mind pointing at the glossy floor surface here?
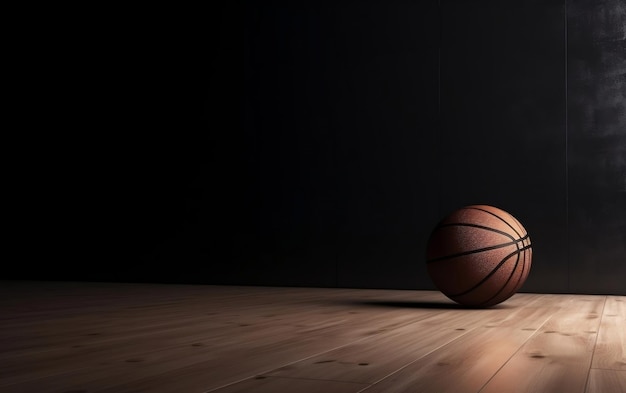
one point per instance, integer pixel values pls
(72, 337)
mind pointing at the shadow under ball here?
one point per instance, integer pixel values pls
(479, 255)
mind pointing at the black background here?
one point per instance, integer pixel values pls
(316, 144)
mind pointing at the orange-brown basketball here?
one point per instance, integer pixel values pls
(479, 255)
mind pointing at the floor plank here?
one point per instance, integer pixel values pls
(610, 352)
(558, 357)
(606, 381)
(467, 363)
(278, 385)
(239, 361)
(248, 337)
(371, 360)
(60, 337)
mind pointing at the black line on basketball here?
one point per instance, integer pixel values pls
(476, 251)
(492, 272)
(499, 218)
(520, 281)
(508, 280)
(467, 224)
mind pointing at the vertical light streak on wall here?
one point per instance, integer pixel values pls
(567, 255)
(439, 116)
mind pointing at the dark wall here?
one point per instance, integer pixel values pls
(104, 140)
(359, 88)
(596, 150)
(341, 116)
(503, 137)
(311, 144)
(370, 123)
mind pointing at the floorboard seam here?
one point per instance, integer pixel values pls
(608, 369)
(317, 379)
(415, 360)
(284, 365)
(514, 353)
(595, 343)
(422, 318)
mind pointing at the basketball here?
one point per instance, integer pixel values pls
(479, 255)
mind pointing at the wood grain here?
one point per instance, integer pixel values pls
(610, 350)
(278, 385)
(104, 337)
(372, 360)
(467, 363)
(557, 358)
(606, 381)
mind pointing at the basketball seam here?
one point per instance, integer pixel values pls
(500, 218)
(516, 286)
(467, 224)
(525, 260)
(503, 286)
(493, 271)
(511, 292)
(476, 251)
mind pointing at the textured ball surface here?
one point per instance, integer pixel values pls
(479, 255)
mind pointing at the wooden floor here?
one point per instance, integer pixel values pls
(104, 337)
